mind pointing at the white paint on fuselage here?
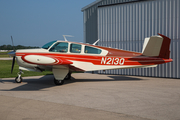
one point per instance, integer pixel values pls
(38, 59)
(87, 66)
(39, 50)
(22, 63)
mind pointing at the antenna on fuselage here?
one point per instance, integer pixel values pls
(96, 42)
(67, 36)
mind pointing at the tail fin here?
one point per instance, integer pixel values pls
(157, 46)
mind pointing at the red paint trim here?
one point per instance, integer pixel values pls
(58, 61)
(165, 52)
(114, 57)
(64, 59)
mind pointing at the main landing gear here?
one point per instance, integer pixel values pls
(58, 82)
(19, 79)
(61, 82)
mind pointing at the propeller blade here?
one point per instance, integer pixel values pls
(13, 64)
(13, 43)
(12, 53)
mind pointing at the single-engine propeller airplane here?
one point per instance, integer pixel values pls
(64, 57)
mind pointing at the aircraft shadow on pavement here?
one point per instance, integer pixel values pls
(32, 84)
(112, 78)
(36, 84)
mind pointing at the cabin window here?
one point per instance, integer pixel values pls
(75, 48)
(60, 47)
(92, 50)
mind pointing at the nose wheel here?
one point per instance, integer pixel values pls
(19, 79)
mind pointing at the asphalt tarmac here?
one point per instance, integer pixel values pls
(90, 97)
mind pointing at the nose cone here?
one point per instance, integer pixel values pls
(12, 53)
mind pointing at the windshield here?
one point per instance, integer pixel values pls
(60, 47)
(46, 46)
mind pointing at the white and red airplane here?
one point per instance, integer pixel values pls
(64, 57)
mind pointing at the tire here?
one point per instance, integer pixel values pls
(68, 76)
(18, 79)
(58, 82)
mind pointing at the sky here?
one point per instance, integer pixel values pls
(37, 22)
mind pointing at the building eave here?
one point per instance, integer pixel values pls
(86, 7)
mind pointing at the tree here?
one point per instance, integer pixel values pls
(10, 47)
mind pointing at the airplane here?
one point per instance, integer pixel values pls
(65, 57)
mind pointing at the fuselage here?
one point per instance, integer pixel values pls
(82, 57)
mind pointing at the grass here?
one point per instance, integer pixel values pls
(5, 70)
(4, 54)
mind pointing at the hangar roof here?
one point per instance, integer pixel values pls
(112, 3)
(95, 2)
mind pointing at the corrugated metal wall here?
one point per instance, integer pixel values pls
(90, 25)
(90, 20)
(125, 26)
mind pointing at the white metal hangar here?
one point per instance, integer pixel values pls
(124, 24)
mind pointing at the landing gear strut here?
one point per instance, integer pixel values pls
(68, 76)
(19, 79)
(61, 82)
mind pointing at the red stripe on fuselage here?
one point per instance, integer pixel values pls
(103, 60)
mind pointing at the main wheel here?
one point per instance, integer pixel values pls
(68, 76)
(58, 82)
(18, 79)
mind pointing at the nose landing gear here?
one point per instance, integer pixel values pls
(19, 79)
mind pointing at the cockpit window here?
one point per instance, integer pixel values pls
(92, 50)
(46, 46)
(75, 48)
(60, 47)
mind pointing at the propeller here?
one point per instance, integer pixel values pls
(13, 54)
(13, 64)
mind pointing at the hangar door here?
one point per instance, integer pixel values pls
(124, 26)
